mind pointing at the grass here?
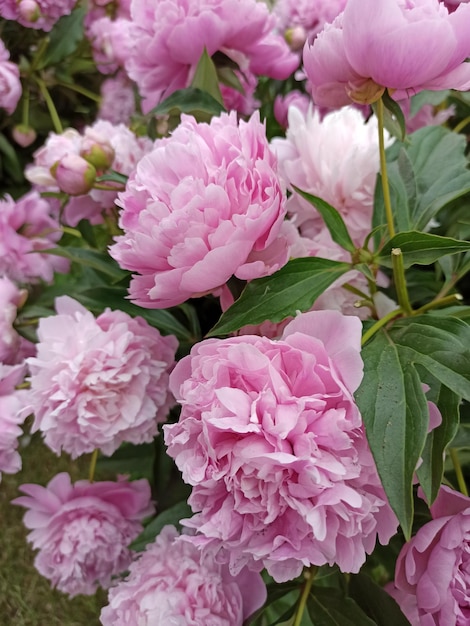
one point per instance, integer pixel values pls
(26, 598)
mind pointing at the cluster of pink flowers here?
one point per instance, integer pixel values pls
(175, 583)
(27, 227)
(169, 38)
(13, 348)
(273, 444)
(432, 578)
(97, 382)
(117, 100)
(205, 204)
(404, 46)
(82, 530)
(10, 85)
(13, 412)
(42, 14)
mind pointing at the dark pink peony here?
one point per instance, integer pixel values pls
(97, 382)
(82, 531)
(205, 204)
(432, 577)
(175, 583)
(273, 444)
(403, 45)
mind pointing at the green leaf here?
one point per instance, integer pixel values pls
(10, 160)
(332, 218)
(113, 176)
(192, 101)
(394, 108)
(329, 607)
(92, 258)
(396, 417)
(293, 288)
(64, 37)
(420, 248)
(171, 516)
(227, 76)
(205, 77)
(276, 591)
(376, 602)
(135, 460)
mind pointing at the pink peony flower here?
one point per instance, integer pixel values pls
(39, 14)
(111, 43)
(432, 577)
(82, 531)
(282, 105)
(97, 382)
(245, 103)
(10, 85)
(206, 203)
(175, 583)
(273, 444)
(27, 227)
(13, 411)
(13, 348)
(403, 45)
(117, 100)
(170, 36)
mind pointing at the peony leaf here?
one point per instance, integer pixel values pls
(420, 248)
(205, 77)
(392, 105)
(92, 258)
(64, 38)
(293, 288)
(332, 218)
(329, 607)
(192, 101)
(375, 601)
(171, 516)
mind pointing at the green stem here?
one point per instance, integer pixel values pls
(94, 458)
(383, 169)
(309, 576)
(455, 298)
(79, 89)
(107, 187)
(39, 53)
(461, 125)
(25, 113)
(51, 107)
(379, 324)
(400, 282)
(458, 471)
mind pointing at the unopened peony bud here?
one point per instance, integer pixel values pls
(29, 11)
(296, 37)
(74, 175)
(99, 154)
(24, 135)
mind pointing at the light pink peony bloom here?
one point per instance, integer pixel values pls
(305, 16)
(82, 531)
(13, 411)
(39, 14)
(175, 583)
(10, 85)
(27, 227)
(273, 444)
(403, 45)
(97, 382)
(13, 347)
(170, 36)
(205, 204)
(111, 43)
(117, 100)
(432, 577)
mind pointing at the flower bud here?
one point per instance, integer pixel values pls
(73, 174)
(23, 135)
(29, 11)
(99, 153)
(295, 37)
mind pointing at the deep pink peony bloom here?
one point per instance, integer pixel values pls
(10, 85)
(117, 100)
(26, 227)
(97, 382)
(403, 45)
(273, 443)
(42, 14)
(13, 411)
(175, 583)
(13, 347)
(82, 531)
(206, 203)
(432, 577)
(170, 36)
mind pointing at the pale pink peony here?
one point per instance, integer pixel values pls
(117, 100)
(26, 228)
(39, 14)
(432, 577)
(273, 444)
(82, 531)
(175, 583)
(13, 347)
(206, 203)
(403, 45)
(13, 411)
(97, 382)
(170, 36)
(111, 43)
(10, 85)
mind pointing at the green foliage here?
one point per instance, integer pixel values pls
(64, 38)
(171, 516)
(376, 603)
(420, 248)
(330, 607)
(193, 101)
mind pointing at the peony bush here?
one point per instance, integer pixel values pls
(234, 260)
